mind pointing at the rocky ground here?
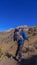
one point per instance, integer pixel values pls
(10, 61)
(8, 48)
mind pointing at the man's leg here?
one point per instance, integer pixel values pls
(17, 50)
(20, 52)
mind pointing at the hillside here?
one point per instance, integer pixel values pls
(7, 45)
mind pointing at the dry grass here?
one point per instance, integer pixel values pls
(8, 45)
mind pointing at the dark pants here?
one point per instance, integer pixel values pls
(19, 50)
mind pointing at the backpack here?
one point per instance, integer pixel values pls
(17, 35)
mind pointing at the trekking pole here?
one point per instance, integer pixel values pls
(28, 48)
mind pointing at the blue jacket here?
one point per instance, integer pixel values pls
(24, 36)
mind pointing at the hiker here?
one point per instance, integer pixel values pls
(20, 36)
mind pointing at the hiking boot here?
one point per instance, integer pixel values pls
(19, 60)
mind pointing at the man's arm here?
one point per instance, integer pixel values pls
(25, 36)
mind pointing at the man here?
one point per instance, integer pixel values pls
(21, 37)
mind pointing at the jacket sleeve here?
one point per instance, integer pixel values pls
(24, 36)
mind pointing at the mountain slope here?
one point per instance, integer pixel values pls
(7, 45)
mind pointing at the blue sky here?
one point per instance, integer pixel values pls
(17, 12)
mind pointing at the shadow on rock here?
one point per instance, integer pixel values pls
(30, 61)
